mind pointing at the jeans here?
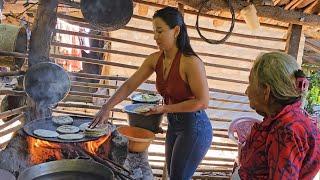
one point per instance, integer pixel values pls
(188, 139)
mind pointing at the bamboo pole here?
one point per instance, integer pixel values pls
(11, 73)
(95, 61)
(12, 92)
(221, 32)
(272, 12)
(142, 44)
(12, 112)
(193, 12)
(140, 55)
(191, 38)
(16, 128)
(200, 169)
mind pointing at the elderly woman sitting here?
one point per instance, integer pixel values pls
(286, 145)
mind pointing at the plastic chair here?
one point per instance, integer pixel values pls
(242, 127)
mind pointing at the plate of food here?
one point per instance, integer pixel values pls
(146, 98)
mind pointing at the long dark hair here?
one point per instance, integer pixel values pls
(172, 17)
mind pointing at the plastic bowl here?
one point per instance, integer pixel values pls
(151, 122)
(139, 138)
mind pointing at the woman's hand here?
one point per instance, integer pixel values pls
(155, 110)
(101, 117)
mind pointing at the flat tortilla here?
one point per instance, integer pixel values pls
(45, 133)
(62, 120)
(71, 136)
(143, 108)
(83, 126)
(68, 129)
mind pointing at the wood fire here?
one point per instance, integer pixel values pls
(43, 151)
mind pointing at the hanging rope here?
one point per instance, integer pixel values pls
(210, 41)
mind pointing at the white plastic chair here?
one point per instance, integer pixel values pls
(242, 127)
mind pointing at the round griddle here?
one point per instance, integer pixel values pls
(49, 125)
(46, 83)
(108, 15)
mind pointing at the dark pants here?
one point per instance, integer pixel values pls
(188, 139)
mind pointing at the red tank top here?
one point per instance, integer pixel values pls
(174, 89)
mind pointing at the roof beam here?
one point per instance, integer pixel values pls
(272, 12)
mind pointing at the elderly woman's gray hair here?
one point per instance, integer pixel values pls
(278, 71)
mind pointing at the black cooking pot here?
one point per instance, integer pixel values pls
(108, 15)
(75, 169)
(151, 122)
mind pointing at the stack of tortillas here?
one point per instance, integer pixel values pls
(69, 132)
(96, 132)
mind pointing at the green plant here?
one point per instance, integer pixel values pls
(313, 97)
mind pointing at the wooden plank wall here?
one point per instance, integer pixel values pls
(227, 67)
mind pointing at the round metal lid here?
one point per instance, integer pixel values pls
(47, 83)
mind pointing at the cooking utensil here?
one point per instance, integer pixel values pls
(46, 83)
(151, 122)
(139, 139)
(75, 169)
(108, 15)
(48, 124)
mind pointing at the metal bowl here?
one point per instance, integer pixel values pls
(151, 122)
(75, 169)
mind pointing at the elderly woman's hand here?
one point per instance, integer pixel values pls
(101, 117)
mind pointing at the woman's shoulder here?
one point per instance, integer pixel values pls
(191, 61)
(155, 55)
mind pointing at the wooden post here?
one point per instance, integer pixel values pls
(293, 39)
(42, 30)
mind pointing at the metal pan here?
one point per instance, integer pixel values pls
(46, 83)
(75, 169)
(49, 125)
(108, 15)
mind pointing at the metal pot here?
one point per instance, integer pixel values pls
(75, 169)
(108, 15)
(151, 122)
(47, 83)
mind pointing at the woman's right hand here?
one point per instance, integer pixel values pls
(101, 117)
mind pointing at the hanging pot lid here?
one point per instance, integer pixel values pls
(46, 83)
(108, 15)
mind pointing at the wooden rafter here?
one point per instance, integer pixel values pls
(272, 12)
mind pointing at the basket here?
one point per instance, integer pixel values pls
(139, 139)
(12, 39)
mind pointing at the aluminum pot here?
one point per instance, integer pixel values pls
(151, 122)
(75, 169)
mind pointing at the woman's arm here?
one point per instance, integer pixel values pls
(195, 73)
(145, 70)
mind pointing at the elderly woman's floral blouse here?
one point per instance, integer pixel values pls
(284, 147)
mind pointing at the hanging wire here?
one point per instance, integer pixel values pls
(210, 41)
